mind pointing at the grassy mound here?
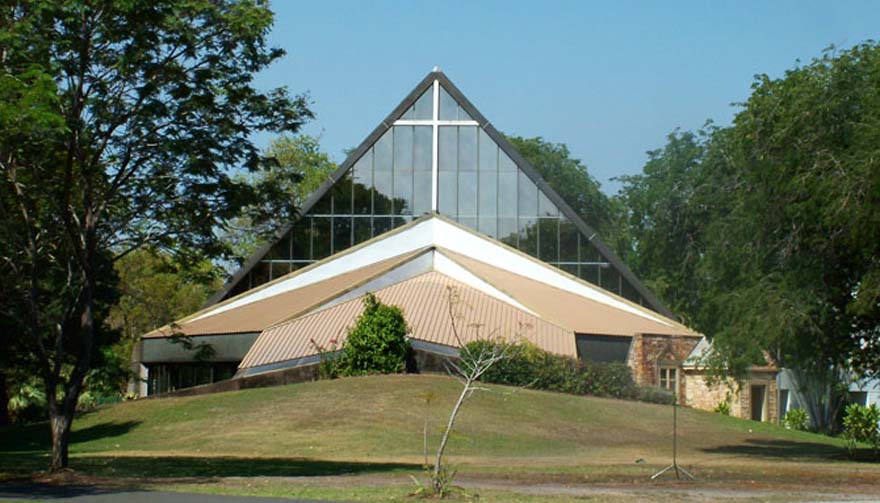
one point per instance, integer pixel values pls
(375, 423)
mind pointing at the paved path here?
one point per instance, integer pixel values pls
(83, 494)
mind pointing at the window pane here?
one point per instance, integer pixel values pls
(321, 237)
(450, 109)
(281, 250)
(489, 226)
(398, 221)
(363, 184)
(590, 273)
(342, 196)
(505, 163)
(448, 106)
(469, 222)
(423, 108)
(546, 208)
(422, 148)
(324, 206)
(467, 194)
(421, 193)
(383, 152)
(448, 195)
(341, 233)
(610, 280)
(403, 147)
(528, 197)
(629, 292)
(568, 241)
(488, 193)
(301, 233)
(488, 153)
(467, 148)
(403, 191)
(280, 269)
(362, 229)
(528, 235)
(507, 194)
(548, 229)
(508, 232)
(382, 194)
(381, 225)
(448, 149)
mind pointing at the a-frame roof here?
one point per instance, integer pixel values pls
(652, 301)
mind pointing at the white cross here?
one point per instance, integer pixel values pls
(435, 123)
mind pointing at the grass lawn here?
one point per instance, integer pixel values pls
(370, 428)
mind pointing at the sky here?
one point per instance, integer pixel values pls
(609, 79)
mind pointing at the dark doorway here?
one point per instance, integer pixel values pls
(759, 395)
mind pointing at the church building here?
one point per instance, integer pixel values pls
(433, 205)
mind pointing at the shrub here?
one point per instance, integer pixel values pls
(377, 344)
(796, 419)
(528, 365)
(723, 408)
(861, 426)
(652, 394)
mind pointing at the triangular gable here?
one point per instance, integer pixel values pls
(454, 163)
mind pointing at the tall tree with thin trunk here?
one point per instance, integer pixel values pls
(121, 124)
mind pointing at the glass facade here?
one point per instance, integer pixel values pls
(165, 377)
(477, 184)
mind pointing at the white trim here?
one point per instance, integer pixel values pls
(437, 232)
(425, 122)
(430, 261)
(445, 265)
(435, 147)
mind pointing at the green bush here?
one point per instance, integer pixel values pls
(723, 408)
(796, 419)
(377, 344)
(860, 425)
(652, 394)
(529, 366)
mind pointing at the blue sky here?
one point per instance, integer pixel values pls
(609, 79)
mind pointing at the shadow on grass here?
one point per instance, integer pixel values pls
(36, 436)
(31, 490)
(769, 448)
(190, 466)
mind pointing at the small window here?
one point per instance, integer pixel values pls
(669, 378)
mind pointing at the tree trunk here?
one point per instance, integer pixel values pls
(438, 464)
(4, 401)
(60, 422)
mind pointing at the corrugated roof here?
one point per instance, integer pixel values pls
(424, 301)
(568, 309)
(256, 316)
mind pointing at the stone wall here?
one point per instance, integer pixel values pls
(700, 395)
(648, 352)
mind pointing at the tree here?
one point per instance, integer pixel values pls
(474, 361)
(798, 245)
(296, 168)
(155, 290)
(665, 215)
(763, 232)
(121, 123)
